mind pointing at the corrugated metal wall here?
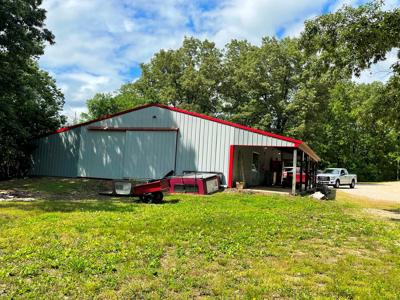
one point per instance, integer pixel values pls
(149, 154)
(101, 154)
(57, 154)
(203, 145)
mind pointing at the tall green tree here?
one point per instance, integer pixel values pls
(354, 135)
(260, 82)
(30, 102)
(353, 39)
(189, 77)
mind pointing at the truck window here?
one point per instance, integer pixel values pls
(342, 173)
(332, 171)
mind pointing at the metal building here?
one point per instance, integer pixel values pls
(151, 140)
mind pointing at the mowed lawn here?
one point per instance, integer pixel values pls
(75, 244)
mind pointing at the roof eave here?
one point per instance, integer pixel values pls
(305, 148)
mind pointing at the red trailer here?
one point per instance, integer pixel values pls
(195, 183)
(151, 191)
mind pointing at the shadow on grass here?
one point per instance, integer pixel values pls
(394, 210)
(111, 205)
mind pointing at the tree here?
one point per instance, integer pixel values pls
(30, 102)
(189, 77)
(351, 138)
(103, 104)
(353, 38)
(260, 82)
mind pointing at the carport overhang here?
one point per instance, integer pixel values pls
(299, 148)
(307, 150)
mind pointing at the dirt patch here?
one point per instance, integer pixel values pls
(36, 188)
(385, 191)
(391, 214)
(17, 195)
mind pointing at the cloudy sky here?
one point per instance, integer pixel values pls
(100, 43)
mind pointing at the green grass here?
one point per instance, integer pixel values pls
(226, 245)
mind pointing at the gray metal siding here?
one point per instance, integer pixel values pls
(101, 154)
(149, 154)
(57, 154)
(203, 145)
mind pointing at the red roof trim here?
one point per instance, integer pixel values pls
(266, 133)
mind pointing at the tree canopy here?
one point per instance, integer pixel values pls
(30, 102)
(354, 38)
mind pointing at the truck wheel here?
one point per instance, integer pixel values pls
(353, 184)
(337, 184)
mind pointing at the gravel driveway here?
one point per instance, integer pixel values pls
(385, 191)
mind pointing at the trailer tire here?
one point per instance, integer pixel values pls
(146, 198)
(157, 197)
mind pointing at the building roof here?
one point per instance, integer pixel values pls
(297, 143)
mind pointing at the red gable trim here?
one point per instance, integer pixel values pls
(266, 133)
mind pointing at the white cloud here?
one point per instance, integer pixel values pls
(98, 42)
(252, 20)
(88, 84)
(336, 5)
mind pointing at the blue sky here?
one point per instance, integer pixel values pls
(100, 43)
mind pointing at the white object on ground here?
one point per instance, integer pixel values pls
(318, 195)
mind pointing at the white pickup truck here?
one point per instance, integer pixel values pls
(337, 177)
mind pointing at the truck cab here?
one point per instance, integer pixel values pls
(337, 177)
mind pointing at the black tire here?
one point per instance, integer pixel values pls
(157, 197)
(147, 198)
(337, 184)
(353, 184)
